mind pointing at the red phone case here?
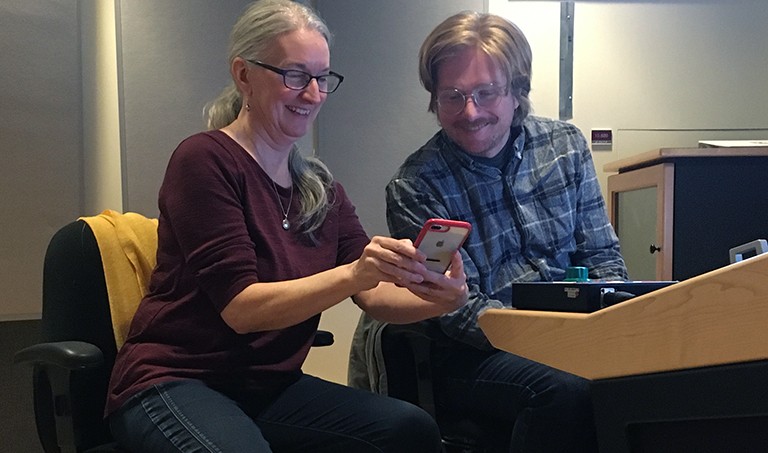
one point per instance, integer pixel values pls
(439, 238)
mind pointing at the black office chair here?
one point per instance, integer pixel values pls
(71, 366)
(407, 350)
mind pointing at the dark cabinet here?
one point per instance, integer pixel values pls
(678, 211)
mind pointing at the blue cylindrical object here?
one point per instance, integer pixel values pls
(577, 274)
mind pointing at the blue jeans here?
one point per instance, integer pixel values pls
(311, 415)
(538, 408)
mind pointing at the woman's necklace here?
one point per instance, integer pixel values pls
(286, 223)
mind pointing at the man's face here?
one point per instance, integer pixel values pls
(478, 130)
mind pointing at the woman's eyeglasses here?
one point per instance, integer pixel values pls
(298, 80)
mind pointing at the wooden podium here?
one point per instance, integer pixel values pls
(682, 368)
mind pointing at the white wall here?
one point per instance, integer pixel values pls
(659, 73)
(102, 166)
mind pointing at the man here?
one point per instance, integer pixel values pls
(528, 187)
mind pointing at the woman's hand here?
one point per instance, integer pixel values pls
(417, 293)
(390, 260)
(448, 290)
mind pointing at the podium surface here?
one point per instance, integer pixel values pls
(716, 318)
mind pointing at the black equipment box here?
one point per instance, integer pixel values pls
(583, 297)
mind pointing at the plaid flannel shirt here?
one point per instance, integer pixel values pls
(539, 215)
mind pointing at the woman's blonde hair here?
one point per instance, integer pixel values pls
(497, 37)
(252, 37)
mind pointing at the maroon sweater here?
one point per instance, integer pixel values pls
(220, 231)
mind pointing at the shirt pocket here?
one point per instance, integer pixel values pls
(549, 211)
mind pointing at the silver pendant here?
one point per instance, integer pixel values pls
(286, 224)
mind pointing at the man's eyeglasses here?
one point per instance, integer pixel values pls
(298, 80)
(452, 102)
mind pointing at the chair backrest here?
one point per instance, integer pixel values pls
(75, 301)
(408, 351)
(95, 273)
(76, 306)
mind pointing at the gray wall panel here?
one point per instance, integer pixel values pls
(173, 56)
(379, 115)
(40, 141)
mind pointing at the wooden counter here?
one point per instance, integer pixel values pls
(666, 154)
(715, 318)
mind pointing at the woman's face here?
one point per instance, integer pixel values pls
(283, 113)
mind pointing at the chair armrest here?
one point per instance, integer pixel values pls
(62, 379)
(322, 338)
(68, 355)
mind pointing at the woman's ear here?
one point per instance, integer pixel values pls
(240, 72)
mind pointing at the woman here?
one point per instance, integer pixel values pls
(255, 241)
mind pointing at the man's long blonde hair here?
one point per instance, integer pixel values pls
(500, 39)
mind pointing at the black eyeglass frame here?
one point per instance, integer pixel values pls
(310, 77)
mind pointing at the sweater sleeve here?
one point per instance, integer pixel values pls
(352, 236)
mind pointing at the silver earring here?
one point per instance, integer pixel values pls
(247, 107)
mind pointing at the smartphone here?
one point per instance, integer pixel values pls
(438, 239)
